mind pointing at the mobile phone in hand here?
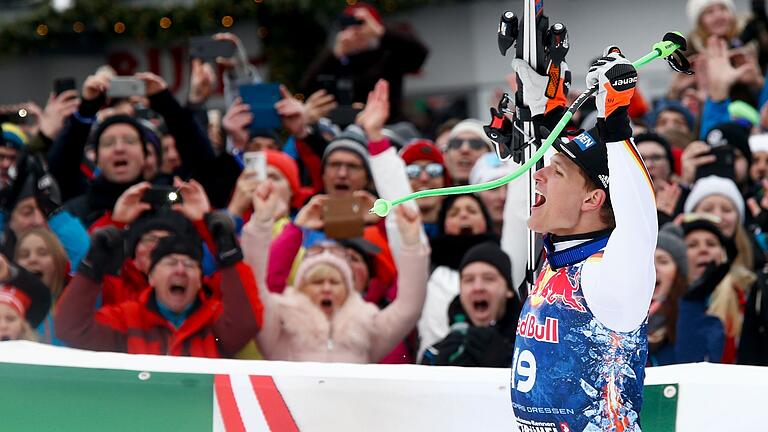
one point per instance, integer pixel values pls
(60, 85)
(343, 218)
(256, 162)
(161, 196)
(721, 167)
(208, 49)
(126, 86)
(262, 99)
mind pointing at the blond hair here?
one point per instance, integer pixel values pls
(59, 255)
(321, 270)
(725, 300)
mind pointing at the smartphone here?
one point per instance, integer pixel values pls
(207, 48)
(345, 21)
(721, 167)
(126, 86)
(161, 196)
(343, 218)
(60, 85)
(262, 99)
(256, 162)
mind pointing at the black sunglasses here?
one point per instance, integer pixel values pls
(474, 144)
(433, 170)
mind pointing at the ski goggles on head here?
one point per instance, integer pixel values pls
(433, 170)
(474, 144)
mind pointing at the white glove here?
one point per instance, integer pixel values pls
(616, 79)
(535, 86)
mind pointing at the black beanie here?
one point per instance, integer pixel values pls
(730, 134)
(165, 220)
(174, 244)
(492, 254)
(654, 137)
(109, 121)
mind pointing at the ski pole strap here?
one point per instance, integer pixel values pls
(382, 207)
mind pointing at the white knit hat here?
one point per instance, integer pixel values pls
(758, 143)
(714, 185)
(695, 7)
(473, 126)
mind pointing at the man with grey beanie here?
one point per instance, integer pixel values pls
(346, 165)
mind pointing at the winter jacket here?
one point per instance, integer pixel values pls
(295, 329)
(467, 345)
(753, 344)
(99, 198)
(129, 285)
(216, 327)
(397, 54)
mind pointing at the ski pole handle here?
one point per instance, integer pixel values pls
(382, 207)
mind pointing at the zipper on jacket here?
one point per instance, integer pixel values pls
(329, 342)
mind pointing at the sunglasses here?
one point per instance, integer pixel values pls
(433, 170)
(474, 144)
(326, 246)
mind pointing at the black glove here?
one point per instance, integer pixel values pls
(702, 287)
(47, 195)
(488, 347)
(222, 231)
(105, 255)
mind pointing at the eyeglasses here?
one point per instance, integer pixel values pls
(433, 170)
(352, 168)
(653, 158)
(149, 239)
(474, 144)
(187, 263)
(126, 139)
(326, 246)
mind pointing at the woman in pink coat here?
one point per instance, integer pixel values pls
(322, 317)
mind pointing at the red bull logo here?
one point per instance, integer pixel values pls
(562, 287)
(530, 328)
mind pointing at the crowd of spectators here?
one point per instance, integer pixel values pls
(140, 225)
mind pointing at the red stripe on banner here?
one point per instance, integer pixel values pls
(273, 405)
(227, 405)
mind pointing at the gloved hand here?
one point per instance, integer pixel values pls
(488, 347)
(47, 195)
(105, 255)
(222, 231)
(616, 79)
(535, 87)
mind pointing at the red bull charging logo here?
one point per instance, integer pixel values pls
(560, 286)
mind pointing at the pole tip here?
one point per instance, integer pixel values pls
(381, 207)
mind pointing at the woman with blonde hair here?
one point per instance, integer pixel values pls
(322, 317)
(39, 252)
(24, 302)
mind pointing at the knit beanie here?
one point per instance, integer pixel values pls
(654, 137)
(424, 149)
(671, 105)
(714, 185)
(730, 134)
(705, 225)
(473, 126)
(13, 136)
(489, 253)
(163, 220)
(400, 133)
(287, 166)
(488, 168)
(109, 121)
(671, 240)
(176, 244)
(352, 140)
(758, 143)
(696, 7)
(327, 258)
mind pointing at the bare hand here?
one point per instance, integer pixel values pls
(95, 86)
(371, 28)
(236, 121)
(720, 74)
(756, 208)
(376, 111)
(366, 201)
(154, 83)
(293, 113)
(196, 203)
(408, 224)
(5, 269)
(311, 215)
(244, 189)
(695, 155)
(56, 112)
(318, 105)
(667, 196)
(265, 203)
(229, 63)
(201, 81)
(129, 206)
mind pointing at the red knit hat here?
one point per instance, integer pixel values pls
(287, 166)
(350, 10)
(424, 149)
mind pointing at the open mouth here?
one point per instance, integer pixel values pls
(540, 200)
(480, 305)
(178, 289)
(326, 305)
(466, 230)
(120, 164)
(342, 187)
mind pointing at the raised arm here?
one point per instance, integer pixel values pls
(394, 322)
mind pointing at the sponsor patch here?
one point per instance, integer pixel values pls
(585, 141)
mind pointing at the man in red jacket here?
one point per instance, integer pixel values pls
(180, 315)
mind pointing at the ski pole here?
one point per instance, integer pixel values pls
(382, 207)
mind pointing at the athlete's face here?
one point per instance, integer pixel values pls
(666, 270)
(483, 293)
(703, 249)
(561, 197)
